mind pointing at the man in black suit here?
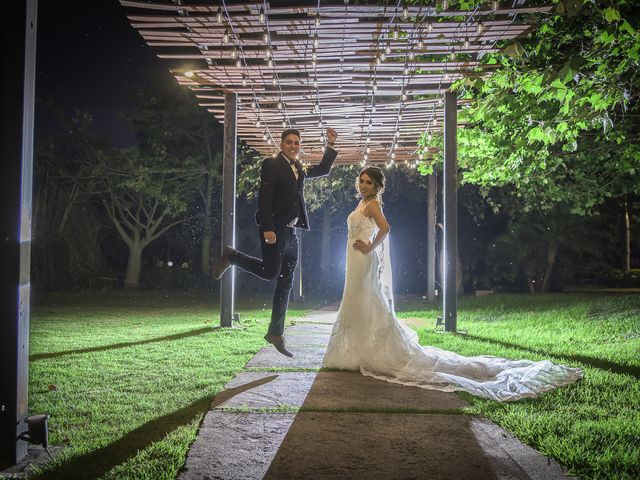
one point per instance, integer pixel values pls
(281, 209)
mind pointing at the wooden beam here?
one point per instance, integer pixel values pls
(450, 194)
(228, 236)
(17, 103)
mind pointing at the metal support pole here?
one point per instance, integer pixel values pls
(431, 237)
(227, 283)
(16, 145)
(450, 211)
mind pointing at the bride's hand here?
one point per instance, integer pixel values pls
(361, 246)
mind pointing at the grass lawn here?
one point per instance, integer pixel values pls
(127, 379)
(592, 427)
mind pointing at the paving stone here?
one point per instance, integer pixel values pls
(388, 446)
(280, 389)
(309, 328)
(318, 317)
(352, 390)
(235, 446)
(301, 338)
(303, 357)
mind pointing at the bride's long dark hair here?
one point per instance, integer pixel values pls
(375, 174)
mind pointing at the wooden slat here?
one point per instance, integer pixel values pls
(340, 78)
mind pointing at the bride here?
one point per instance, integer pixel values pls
(368, 337)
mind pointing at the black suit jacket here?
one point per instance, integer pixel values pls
(281, 196)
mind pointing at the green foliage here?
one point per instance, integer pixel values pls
(558, 119)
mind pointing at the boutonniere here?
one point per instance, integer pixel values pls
(305, 168)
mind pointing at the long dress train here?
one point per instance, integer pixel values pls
(368, 337)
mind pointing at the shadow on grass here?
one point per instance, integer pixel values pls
(168, 338)
(591, 361)
(98, 462)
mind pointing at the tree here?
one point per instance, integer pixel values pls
(169, 116)
(143, 195)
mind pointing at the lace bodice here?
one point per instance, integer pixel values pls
(361, 227)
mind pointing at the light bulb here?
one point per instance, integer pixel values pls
(420, 44)
(265, 37)
(388, 49)
(225, 36)
(264, 137)
(279, 105)
(258, 124)
(405, 71)
(495, 5)
(244, 81)
(480, 27)
(219, 15)
(405, 12)
(396, 33)
(316, 41)
(317, 20)
(284, 123)
(261, 16)
(274, 82)
(429, 26)
(238, 63)
(466, 42)
(412, 55)
(404, 97)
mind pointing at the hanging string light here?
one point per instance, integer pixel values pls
(261, 18)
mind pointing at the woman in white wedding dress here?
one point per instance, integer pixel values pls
(368, 337)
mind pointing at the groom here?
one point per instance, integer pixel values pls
(281, 209)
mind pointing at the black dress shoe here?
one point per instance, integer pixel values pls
(222, 263)
(278, 342)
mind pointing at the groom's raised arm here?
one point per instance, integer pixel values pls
(324, 167)
(268, 177)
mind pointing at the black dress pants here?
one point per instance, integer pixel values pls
(278, 263)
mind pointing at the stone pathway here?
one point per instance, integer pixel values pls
(301, 423)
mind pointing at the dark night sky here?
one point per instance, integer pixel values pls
(88, 58)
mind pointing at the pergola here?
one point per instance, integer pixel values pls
(380, 74)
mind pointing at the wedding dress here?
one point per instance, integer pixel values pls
(368, 337)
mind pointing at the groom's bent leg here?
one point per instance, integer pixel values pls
(284, 283)
(267, 267)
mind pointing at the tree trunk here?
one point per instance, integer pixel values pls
(325, 245)
(134, 264)
(552, 254)
(626, 263)
(532, 285)
(205, 257)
